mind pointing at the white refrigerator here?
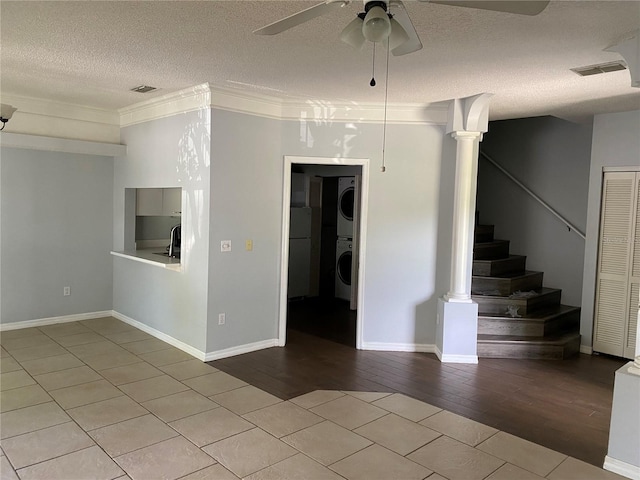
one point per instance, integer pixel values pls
(299, 252)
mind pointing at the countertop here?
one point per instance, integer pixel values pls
(149, 255)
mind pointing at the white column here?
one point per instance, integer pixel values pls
(457, 317)
(463, 215)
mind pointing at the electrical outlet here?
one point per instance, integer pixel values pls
(248, 245)
(221, 318)
(225, 246)
(66, 291)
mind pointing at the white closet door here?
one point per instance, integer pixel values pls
(612, 283)
(634, 280)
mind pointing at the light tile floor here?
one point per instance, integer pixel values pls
(100, 399)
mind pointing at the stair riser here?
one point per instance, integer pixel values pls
(490, 251)
(506, 286)
(483, 233)
(499, 267)
(522, 327)
(497, 306)
(526, 351)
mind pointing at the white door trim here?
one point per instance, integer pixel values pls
(284, 255)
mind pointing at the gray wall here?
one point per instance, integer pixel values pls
(551, 157)
(245, 177)
(616, 143)
(402, 257)
(169, 152)
(57, 212)
(245, 203)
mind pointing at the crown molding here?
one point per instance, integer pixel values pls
(41, 117)
(182, 101)
(204, 96)
(59, 110)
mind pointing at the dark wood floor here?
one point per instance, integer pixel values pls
(563, 405)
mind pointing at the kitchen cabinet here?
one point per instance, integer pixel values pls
(158, 202)
(171, 201)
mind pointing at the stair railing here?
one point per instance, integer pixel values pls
(567, 223)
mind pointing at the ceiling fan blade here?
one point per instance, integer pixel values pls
(400, 15)
(520, 7)
(301, 17)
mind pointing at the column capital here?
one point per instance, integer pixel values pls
(466, 135)
(469, 114)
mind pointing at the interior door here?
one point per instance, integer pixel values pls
(614, 327)
(634, 279)
(355, 249)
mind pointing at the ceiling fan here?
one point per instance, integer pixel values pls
(387, 20)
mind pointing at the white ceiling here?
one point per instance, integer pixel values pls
(92, 52)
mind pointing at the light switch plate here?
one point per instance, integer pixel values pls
(225, 246)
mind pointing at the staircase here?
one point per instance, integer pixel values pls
(517, 316)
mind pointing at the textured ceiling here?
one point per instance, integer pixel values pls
(92, 52)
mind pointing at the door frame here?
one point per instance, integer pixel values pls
(289, 161)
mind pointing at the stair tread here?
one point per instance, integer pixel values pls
(510, 276)
(541, 315)
(557, 339)
(495, 241)
(496, 260)
(539, 291)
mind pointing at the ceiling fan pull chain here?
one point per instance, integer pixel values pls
(384, 127)
(373, 68)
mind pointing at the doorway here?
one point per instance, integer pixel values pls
(326, 305)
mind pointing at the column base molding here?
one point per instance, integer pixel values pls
(457, 298)
(457, 332)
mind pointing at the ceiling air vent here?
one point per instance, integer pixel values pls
(143, 89)
(600, 68)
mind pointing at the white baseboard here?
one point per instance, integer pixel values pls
(200, 355)
(399, 347)
(447, 358)
(249, 347)
(586, 349)
(41, 322)
(621, 468)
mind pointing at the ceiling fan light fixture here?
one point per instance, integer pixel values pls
(352, 33)
(376, 26)
(398, 35)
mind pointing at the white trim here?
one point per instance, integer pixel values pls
(53, 144)
(446, 358)
(53, 109)
(399, 347)
(243, 102)
(200, 355)
(239, 350)
(41, 322)
(635, 168)
(284, 251)
(621, 468)
(205, 96)
(586, 349)
(197, 97)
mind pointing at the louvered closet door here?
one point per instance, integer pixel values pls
(634, 280)
(613, 287)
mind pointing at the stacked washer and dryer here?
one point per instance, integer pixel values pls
(344, 242)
